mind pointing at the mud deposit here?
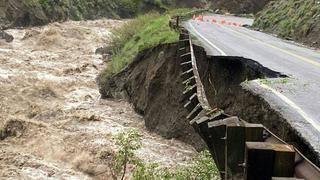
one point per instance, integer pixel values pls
(53, 124)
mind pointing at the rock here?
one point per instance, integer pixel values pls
(25, 13)
(7, 37)
(106, 57)
(103, 50)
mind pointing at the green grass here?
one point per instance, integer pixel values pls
(136, 35)
(141, 33)
(275, 81)
(292, 19)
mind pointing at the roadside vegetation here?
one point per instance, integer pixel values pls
(136, 35)
(201, 167)
(275, 81)
(292, 19)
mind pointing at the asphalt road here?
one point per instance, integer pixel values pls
(297, 98)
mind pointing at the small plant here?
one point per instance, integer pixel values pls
(203, 167)
(128, 143)
(188, 86)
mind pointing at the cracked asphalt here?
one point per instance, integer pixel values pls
(296, 98)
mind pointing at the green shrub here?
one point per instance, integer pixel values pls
(202, 166)
(128, 142)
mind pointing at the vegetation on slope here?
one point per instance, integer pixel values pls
(202, 166)
(39, 12)
(136, 35)
(239, 6)
(292, 19)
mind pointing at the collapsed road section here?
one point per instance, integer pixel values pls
(177, 87)
(242, 149)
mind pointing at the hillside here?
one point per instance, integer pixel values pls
(239, 6)
(40, 12)
(298, 20)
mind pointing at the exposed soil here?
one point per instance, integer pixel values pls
(53, 124)
(153, 85)
(227, 83)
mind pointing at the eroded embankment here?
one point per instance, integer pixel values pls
(153, 85)
(227, 82)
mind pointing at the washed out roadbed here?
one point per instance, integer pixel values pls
(53, 124)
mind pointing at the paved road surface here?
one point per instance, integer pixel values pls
(298, 99)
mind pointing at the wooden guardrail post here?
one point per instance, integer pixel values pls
(177, 21)
(237, 135)
(267, 160)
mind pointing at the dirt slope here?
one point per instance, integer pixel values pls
(153, 85)
(53, 124)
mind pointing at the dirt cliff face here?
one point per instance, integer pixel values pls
(153, 85)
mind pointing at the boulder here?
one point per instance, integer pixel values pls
(7, 37)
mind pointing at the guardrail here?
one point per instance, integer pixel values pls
(240, 149)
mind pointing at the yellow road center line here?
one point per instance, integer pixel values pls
(277, 48)
(281, 96)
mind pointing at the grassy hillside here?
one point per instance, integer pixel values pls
(39, 12)
(239, 6)
(292, 19)
(143, 32)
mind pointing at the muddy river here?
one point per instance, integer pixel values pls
(54, 124)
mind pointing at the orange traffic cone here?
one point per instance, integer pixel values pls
(199, 18)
